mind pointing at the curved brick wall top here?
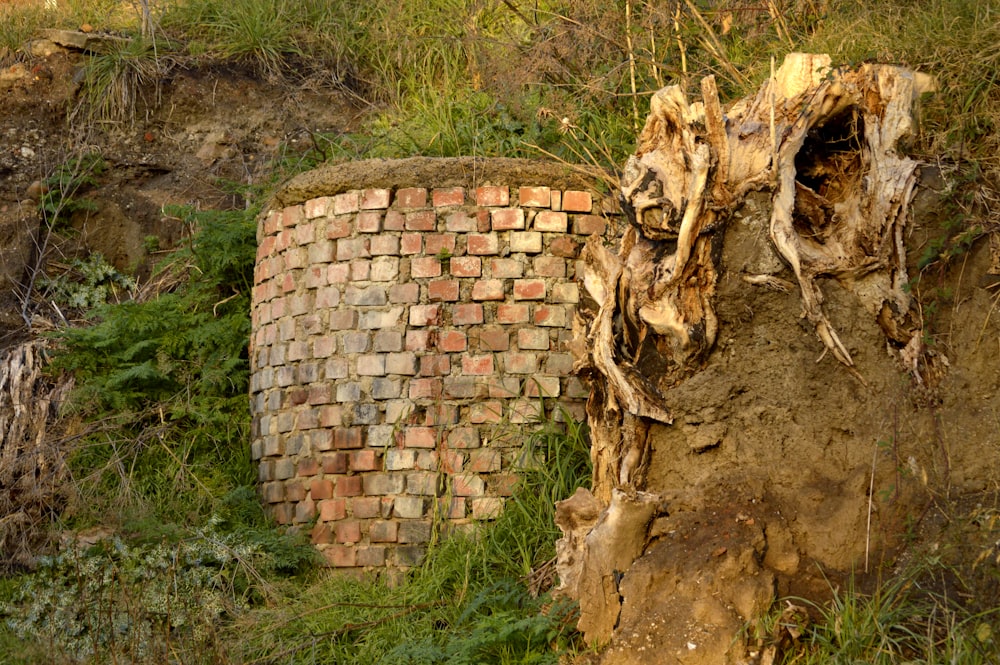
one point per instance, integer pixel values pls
(394, 332)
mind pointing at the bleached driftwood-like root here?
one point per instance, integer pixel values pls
(824, 142)
(606, 546)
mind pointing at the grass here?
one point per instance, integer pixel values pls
(902, 623)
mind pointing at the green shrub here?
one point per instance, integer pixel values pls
(149, 602)
(163, 382)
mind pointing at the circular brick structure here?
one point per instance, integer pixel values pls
(404, 336)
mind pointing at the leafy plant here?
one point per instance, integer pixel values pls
(164, 380)
(90, 283)
(146, 602)
(62, 188)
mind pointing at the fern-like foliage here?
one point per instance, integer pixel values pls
(164, 381)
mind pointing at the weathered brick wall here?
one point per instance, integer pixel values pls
(401, 340)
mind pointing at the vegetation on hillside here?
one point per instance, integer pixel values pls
(162, 455)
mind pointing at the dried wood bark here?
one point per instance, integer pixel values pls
(823, 142)
(32, 468)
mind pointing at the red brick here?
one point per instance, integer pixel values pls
(407, 293)
(320, 488)
(565, 247)
(366, 507)
(369, 221)
(384, 245)
(477, 365)
(411, 197)
(348, 531)
(508, 386)
(506, 219)
(549, 266)
(418, 340)
(401, 363)
(394, 221)
(492, 196)
(321, 534)
(576, 201)
(292, 215)
(503, 484)
(364, 460)
(335, 463)
(420, 437)
(383, 532)
(307, 467)
(551, 315)
(347, 202)
(435, 365)
(332, 510)
(550, 222)
(273, 222)
(339, 228)
(451, 196)
(375, 199)
(483, 460)
(469, 313)
(348, 486)
(443, 289)
(452, 341)
(371, 557)
(439, 244)
(542, 386)
(485, 412)
(534, 197)
(338, 273)
(425, 315)
(533, 338)
(344, 319)
(347, 437)
(483, 224)
(466, 266)
(463, 437)
(282, 513)
(483, 244)
(453, 508)
(488, 289)
(360, 270)
(295, 491)
(411, 243)
(440, 414)
(452, 461)
(461, 222)
(506, 268)
(529, 289)
(463, 387)
(511, 313)
(421, 220)
(468, 485)
(493, 339)
(340, 556)
(425, 266)
(520, 363)
(586, 225)
(425, 389)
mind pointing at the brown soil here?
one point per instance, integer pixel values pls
(212, 127)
